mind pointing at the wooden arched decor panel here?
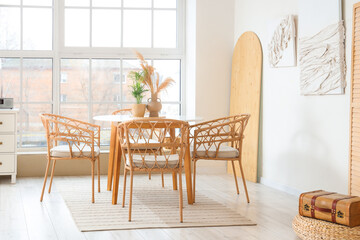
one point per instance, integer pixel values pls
(245, 97)
(354, 153)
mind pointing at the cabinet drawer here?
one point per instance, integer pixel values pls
(7, 122)
(7, 163)
(7, 143)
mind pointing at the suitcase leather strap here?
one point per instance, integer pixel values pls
(333, 210)
(313, 208)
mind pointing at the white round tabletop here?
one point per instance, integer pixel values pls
(122, 118)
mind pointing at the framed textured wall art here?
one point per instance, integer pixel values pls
(281, 43)
(321, 47)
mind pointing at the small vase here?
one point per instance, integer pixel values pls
(154, 105)
(138, 110)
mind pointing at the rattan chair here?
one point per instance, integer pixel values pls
(219, 139)
(70, 139)
(128, 111)
(141, 154)
(125, 111)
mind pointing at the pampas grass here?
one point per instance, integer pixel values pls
(150, 75)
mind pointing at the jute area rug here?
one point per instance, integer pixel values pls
(153, 206)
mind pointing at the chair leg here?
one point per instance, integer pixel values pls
(174, 177)
(244, 181)
(234, 172)
(98, 172)
(124, 188)
(180, 197)
(149, 175)
(193, 194)
(45, 178)
(92, 180)
(52, 175)
(131, 191)
(162, 179)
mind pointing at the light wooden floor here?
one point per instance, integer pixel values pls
(22, 216)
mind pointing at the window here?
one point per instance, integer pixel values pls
(117, 98)
(123, 79)
(63, 97)
(81, 54)
(26, 25)
(127, 23)
(117, 77)
(63, 78)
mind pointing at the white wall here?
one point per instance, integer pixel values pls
(304, 139)
(209, 45)
(209, 60)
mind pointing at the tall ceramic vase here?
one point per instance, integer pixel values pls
(154, 105)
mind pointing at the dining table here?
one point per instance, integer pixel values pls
(115, 152)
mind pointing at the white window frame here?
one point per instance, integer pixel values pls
(59, 52)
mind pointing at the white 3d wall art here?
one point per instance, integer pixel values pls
(281, 47)
(322, 60)
(321, 47)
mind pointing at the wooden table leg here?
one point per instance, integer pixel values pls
(117, 165)
(111, 156)
(187, 165)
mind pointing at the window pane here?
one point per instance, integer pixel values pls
(128, 66)
(164, 29)
(76, 88)
(38, 2)
(102, 34)
(165, 3)
(137, 28)
(170, 110)
(169, 68)
(33, 132)
(137, 3)
(106, 3)
(77, 3)
(105, 81)
(75, 111)
(104, 109)
(37, 80)
(37, 29)
(9, 28)
(10, 2)
(10, 77)
(77, 27)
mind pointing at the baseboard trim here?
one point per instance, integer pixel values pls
(280, 187)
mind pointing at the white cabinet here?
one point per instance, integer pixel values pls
(8, 158)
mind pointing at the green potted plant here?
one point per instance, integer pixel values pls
(138, 90)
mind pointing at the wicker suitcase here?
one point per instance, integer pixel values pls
(330, 206)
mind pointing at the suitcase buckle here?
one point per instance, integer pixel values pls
(306, 207)
(340, 214)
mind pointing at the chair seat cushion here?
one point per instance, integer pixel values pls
(173, 161)
(224, 152)
(64, 151)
